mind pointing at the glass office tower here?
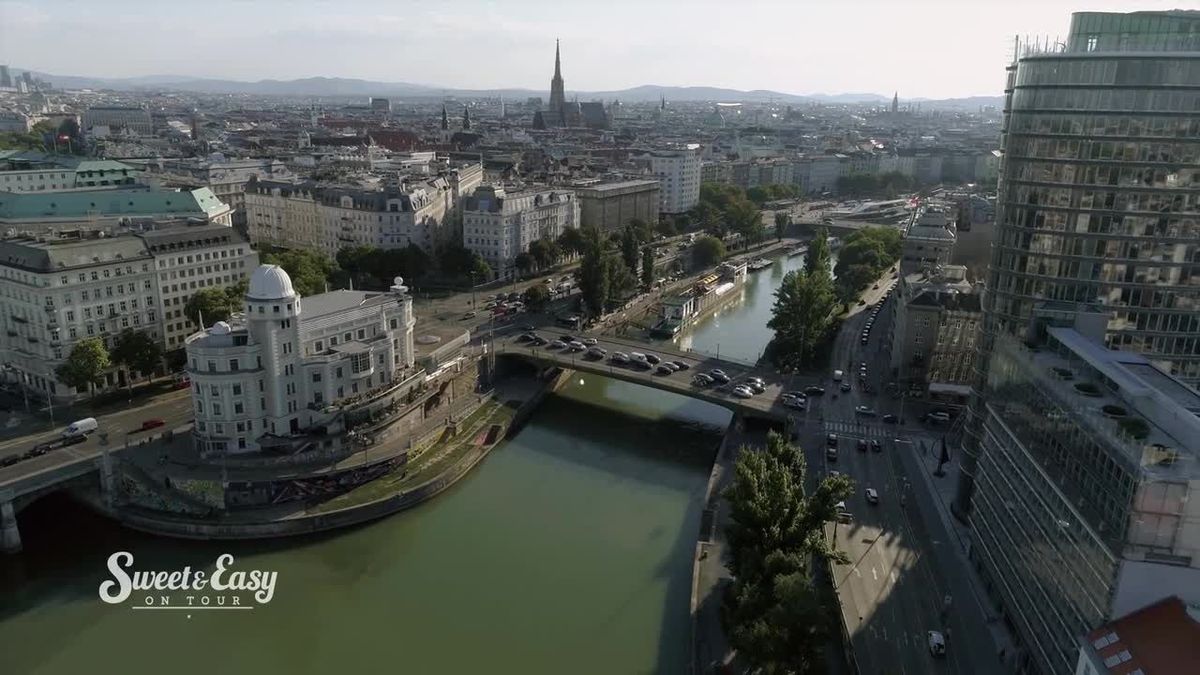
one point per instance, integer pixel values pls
(1099, 193)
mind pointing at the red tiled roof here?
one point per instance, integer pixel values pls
(1159, 639)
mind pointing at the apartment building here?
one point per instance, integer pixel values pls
(22, 171)
(678, 172)
(500, 225)
(609, 207)
(227, 178)
(91, 209)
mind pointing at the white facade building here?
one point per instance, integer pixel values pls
(104, 120)
(326, 218)
(227, 178)
(39, 172)
(55, 292)
(499, 226)
(263, 378)
(678, 174)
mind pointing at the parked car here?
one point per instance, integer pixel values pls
(937, 644)
(619, 357)
(872, 496)
(81, 427)
(754, 386)
(864, 411)
(718, 376)
(152, 423)
(937, 417)
(597, 352)
(814, 390)
(469, 315)
(591, 342)
(890, 419)
(876, 446)
(831, 440)
(653, 360)
(577, 346)
(795, 403)
(680, 365)
(524, 337)
(663, 369)
(539, 341)
(702, 380)
(742, 392)
(557, 344)
(861, 445)
(845, 386)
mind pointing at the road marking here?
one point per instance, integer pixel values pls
(893, 577)
(874, 574)
(857, 573)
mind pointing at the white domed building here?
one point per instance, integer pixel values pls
(263, 377)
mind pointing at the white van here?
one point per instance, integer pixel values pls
(837, 376)
(81, 427)
(637, 357)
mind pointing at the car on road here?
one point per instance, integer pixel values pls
(864, 411)
(557, 344)
(843, 515)
(539, 341)
(863, 341)
(577, 346)
(794, 394)
(596, 352)
(861, 445)
(525, 337)
(845, 386)
(664, 369)
(680, 365)
(795, 403)
(814, 391)
(831, 440)
(152, 423)
(529, 327)
(10, 460)
(719, 376)
(81, 427)
(876, 446)
(890, 419)
(754, 386)
(937, 417)
(514, 296)
(469, 315)
(937, 644)
(742, 392)
(637, 357)
(702, 380)
(619, 357)
(872, 496)
(653, 360)
(591, 342)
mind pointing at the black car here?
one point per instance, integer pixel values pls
(890, 419)
(814, 391)
(680, 365)
(529, 327)
(569, 339)
(876, 446)
(653, 360)
(540, 341)
(10, 460)
(524, 337)
(862, 445)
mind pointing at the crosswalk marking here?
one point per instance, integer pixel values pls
(862, 430)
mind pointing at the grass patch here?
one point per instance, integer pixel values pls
(425, 463)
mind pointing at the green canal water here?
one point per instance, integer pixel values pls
(567, 551)
(739, 330)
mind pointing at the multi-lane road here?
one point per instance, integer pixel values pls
(893, 590)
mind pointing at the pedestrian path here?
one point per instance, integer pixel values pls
(861, 429)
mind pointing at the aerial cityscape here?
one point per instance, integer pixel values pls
(327, 349)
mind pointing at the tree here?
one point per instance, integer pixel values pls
(745, 219)
(629, 247)
(545, 251)
(801, 317)
(84, 365)
(524, 263)
(818, 253)
(356, 261)
(138, 352)
(593, 279)
(774, 616)
(647, 267)
(783, 220)
(708, 251)
(867, 253)
(309, 270)
(852, 281)
(571, 241)
(212, 305)
(536, 297)
(665, 228)
(456, 261)
(641, 230)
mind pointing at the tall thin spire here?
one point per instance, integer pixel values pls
(895, 103)
(557, 95)
(445, 119)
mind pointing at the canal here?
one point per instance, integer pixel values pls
(739, 330)
(568, 550)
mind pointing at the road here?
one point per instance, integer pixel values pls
(894, 588)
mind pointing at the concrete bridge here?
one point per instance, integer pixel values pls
(766, 405)
(25, 482)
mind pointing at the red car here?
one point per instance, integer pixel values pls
(152, 424)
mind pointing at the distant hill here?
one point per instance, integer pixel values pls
(341, 87)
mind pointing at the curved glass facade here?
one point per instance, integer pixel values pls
(1100, 198)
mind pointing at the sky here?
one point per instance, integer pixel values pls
(920, 48)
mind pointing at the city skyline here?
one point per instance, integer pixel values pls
(966, 47)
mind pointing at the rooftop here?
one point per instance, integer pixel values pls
(1160, 639)
(128, 202)
(333, 302)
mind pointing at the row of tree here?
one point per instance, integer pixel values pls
(865, 256)
(774, 614)
(608, 272)
(767, 193)
(803, 314)
(90, 359)
(725, 208)
(888, 184)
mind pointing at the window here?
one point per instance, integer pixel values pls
(338, 374)
(237, 409)
(214, 390)
(237, 390)
(233, 365)
(316, 377)
(212, 366)
(319, 347)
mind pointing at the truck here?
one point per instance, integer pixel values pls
(81, 427)
(837, 376)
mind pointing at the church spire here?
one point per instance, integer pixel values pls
(445, 119)
(466, 118)
(557, 96)
(895, 103)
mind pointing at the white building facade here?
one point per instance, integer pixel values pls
(499, 226)
(678, 174)
(267, 376)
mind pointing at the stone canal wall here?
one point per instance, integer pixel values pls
(162, 524)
